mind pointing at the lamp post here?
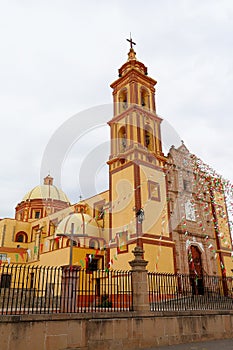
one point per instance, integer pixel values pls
(139, 219)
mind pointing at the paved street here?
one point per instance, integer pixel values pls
(225, 344)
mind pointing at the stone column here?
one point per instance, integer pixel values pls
(139, 281)
(69, 288)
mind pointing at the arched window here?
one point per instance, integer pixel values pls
(123, 101)
(94, 244)
(21, 237)
(75, 243)
(148, 138)
(122, 139)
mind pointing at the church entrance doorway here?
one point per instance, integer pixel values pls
(196, 271)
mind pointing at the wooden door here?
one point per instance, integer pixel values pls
(196, 271)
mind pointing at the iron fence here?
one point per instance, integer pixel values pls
(28, 289)
(177, 292)
(40, 289)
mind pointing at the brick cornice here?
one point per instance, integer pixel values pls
(135, 108)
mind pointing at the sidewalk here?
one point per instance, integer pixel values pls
(224, 344)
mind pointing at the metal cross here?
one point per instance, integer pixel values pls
(131, 42)
(71, 237)
(71, 244)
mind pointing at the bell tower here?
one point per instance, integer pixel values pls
(135, 121)
(133, 85)
(138, 206)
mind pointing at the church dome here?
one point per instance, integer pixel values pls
(46, 191)
(79, 224)
(41, 201)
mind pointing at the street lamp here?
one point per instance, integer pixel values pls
(140, 215)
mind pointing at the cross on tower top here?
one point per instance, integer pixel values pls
(131, 42)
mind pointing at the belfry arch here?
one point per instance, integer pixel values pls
(123, 100)
(145, 98)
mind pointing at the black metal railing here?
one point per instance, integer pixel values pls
(40, 289)
(105, 291)
(28, 289)
(177, 292)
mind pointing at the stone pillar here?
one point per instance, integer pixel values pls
(69, 288)
(139, 281)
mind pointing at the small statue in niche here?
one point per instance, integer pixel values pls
(123, 141)
(125, 104)
(147, 139)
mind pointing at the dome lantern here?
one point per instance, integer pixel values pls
(48, 180)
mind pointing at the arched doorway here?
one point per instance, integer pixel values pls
(195, 270)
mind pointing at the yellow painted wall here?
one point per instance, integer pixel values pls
(79, 255)
(61, 256)
(12, 227)
(121, 261)
(228, 264)
(156, 216)
(55, 258)
(122, 199)
(223, 225)
(12, 257)
(159, 256)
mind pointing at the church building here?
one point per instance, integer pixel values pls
(169, 205)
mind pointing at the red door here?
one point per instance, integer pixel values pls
(196, 271)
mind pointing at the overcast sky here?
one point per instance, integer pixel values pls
(58, 58)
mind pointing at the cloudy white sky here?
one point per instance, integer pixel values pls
(59, 57)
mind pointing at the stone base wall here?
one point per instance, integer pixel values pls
(100, 331)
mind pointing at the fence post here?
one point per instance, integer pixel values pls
(69, 288)
(139, 281)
